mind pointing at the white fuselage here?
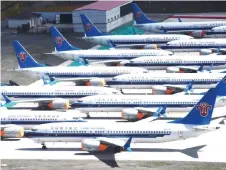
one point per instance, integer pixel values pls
(217, 32)
(115, 103)
(143, 133)
(97, 55)
(135, 39)
(71, 93)
(148, 80)
(195, 44)
(163, 62)
(179, 26)
(29, 120)
(81, 71)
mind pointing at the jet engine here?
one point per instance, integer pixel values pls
(198, 34)
(151, 46)
(12, 131)
(172, 69)
(132, 114)
(205, 51)
(96, 82)
(93, 145)
(59, 104)
(123, 63)
(162, 90)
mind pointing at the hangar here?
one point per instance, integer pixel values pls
(106, 15)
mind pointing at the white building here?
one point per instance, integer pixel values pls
(106, 15)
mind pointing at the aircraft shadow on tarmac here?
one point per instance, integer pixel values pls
(109, 157)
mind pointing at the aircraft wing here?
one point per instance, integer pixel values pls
(112, 141)
(147, 120)
(109, 62)
(37, 100)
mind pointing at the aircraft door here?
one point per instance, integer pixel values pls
(180, 133)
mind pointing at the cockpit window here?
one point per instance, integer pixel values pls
(34, 130)
(79, 101)
(145, 71)
(114, 78)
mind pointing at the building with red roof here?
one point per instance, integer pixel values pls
(106, 15)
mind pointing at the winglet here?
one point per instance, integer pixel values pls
(160, 111)
(7, 100)
(44, 80)
(200, 68)
(179, 19)
(134, 31)
(89, 28)
(111, 44)
(60, 43)
(25, 60)
(127, 144)
(210, 68)
(189, 87)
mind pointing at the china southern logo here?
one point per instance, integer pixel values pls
(22, 56)
(224, 80)
(59, 41)
(138, 15)
(88, 27)
(204, 109)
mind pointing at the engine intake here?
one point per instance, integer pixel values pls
(93, 145)
(132, 114)
(13, 131)
(96, 82)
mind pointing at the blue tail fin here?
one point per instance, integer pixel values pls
(25, 60)
(221, 87)
(139, 16)
(60, 43)
(201, 113)
(89, 27)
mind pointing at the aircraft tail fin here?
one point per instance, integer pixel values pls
(221, 87)
(201, 113)
(60, 43)
(25, 60)
(139, 16)
(89, 28)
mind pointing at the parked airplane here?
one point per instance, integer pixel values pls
(217, 32)
(174, 80)
(93, 35)
(195, 45)
(119, 136)
(82, 75)
(143, 105)
(163, 62)
(195, 29)
(31, 119)
(66, 51)
(53, 97)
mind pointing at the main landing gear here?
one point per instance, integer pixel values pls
(44, 146)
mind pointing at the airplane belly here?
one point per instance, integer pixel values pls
(57, 139)
(101, 109)
(203, 86)
(131, 86)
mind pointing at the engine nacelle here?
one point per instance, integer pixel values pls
(172, 69)
(151, 46)
(93, 145)
(123, 63)
(161, 90)
(59, 104)
(205, 51)
(12, 131)
(132, 114)
(198, 34)
(96, 82)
